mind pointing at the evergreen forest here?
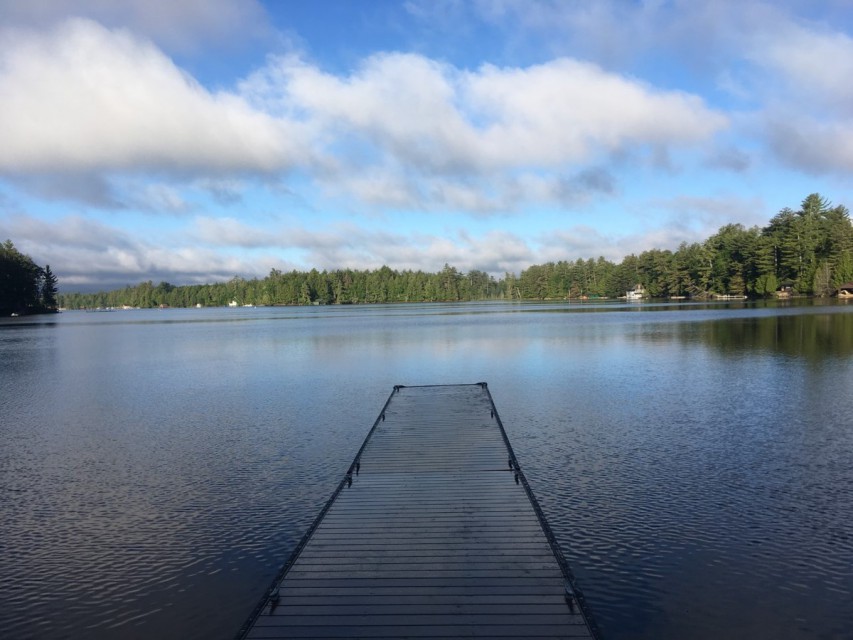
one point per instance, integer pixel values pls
(807, 252)
(25, 287)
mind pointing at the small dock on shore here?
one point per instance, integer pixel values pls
(433, 532)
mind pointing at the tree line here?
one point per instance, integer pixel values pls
(341, 286)
(808, 252)
(25, 287)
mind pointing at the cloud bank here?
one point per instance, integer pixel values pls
(401, 130)
(597, 129)
(82, 98)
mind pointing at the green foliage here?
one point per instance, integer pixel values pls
(816, 238)
(48, 288)
(24, 286)
(812, 249)
(343, 286)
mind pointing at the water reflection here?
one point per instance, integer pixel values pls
(813, 336)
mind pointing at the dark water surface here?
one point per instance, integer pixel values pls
(695, 461)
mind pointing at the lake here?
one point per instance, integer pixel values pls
(157, 467)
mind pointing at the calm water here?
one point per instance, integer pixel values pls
(695, 461)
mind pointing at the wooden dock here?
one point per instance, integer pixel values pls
(432, 533)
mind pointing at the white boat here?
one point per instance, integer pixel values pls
(637, 293)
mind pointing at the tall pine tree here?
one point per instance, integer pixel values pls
(48, 288)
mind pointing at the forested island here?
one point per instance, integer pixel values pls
(803, 252)
(25, 287)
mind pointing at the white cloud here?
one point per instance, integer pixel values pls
(83, 252)
(344, 245)
(444, 120)
(785, 62)
(814, 65)
(82, 104)
(409, 132)
(567, 111)
(806, 118)
(86, 254)
(230, 232)
(402, 105)
(83, 98)
(377, 186)
(73, 230)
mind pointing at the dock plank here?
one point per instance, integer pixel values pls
(433, 533)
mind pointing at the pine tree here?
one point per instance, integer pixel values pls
(843, 272)
(48, 288)
(19, 281)
(823, 280)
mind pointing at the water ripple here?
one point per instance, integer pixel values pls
(154, 476)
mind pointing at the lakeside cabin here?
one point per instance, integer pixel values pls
(845, 290)
(785, 290)
(637, 293)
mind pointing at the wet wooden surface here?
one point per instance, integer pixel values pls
(434, 538)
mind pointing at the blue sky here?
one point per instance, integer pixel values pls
(197, 140)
